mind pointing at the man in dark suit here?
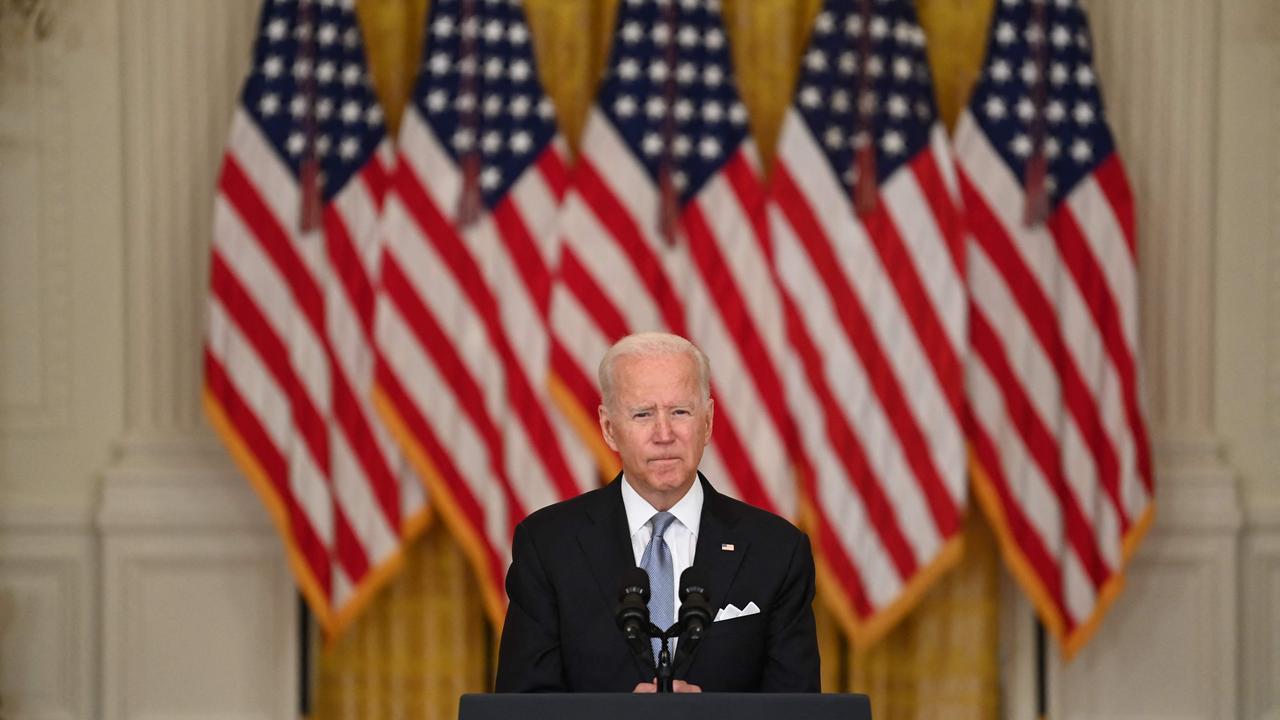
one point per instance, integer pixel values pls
(568, 559)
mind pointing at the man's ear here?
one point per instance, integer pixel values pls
(606, 427)
(711, 416)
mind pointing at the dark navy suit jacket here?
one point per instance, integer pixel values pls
(566, 572)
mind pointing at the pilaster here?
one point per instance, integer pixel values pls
(1169, 645)
(195, 587)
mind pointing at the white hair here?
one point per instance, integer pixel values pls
(649, 344)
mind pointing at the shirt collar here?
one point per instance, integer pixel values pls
(688, 510)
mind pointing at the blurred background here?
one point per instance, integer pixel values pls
(140, 575)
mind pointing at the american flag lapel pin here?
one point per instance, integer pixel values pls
(727, 547)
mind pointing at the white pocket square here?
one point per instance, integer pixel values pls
(731, 611)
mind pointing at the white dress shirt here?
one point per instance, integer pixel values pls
(681, 536)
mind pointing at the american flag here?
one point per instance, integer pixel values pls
(288, 348)
(1061, 457)
(664, 229)
(466, 285)
(869, 251)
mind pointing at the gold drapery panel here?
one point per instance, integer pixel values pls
(424, 640)
(941, 662)
(571, 38)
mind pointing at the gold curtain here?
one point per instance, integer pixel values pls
(571, 38)
(425, 640)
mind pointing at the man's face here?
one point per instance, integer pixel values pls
(658, 423)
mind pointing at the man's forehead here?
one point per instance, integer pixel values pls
(637, 364)
(657, 385)
(644, 403)
(655, 371)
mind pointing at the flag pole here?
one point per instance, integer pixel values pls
(304, 658)
(1042, 676)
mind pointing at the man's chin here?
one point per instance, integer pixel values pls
(671, 479)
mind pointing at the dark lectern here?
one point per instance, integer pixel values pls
(677, 706)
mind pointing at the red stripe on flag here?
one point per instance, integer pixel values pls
(355, 427)
(832, 551)
(554, 172)
(420, 429)
(591, 297)
(433, 341)
(737, 318)
(273, 354)
(350, 270)
(621, 225)
(1040, 315)
(527, 405)
(526, 258)
(1040, 443)
(835, 554)
(1027, 538)
(376, 177)
(942, 207)
(1105, 309)
(847, 446)
(271, 349)
(746, 477)
(901, 271)
(301, 532)
(348, 548)
(747, 188)
(572, 375)
(243, 196)
(1115, 187)
(861, 336)
(1091, 282)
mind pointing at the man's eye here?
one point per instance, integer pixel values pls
(640, 415)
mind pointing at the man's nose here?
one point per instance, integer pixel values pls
(662, 431)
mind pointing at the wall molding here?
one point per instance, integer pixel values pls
(176, 482)
(1260, 643)
(202, 625)
(36, 69)
(1139, 665)
(48, 612)
(26, 514)
(1196, 488)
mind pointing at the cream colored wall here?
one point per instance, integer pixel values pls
(1247, 326)
(138, 576)
(61, 342)
(1247, 308)
(61, 264)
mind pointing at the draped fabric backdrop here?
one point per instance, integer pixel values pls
(425, 640)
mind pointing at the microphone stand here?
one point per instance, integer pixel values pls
(665, 669)
(694, 617)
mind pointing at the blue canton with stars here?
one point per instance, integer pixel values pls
(709, 121)
(348, 122)
(1076, 137)
(893, 107)
(487, 98)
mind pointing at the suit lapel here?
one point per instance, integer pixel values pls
(716, 534)
(607, 546)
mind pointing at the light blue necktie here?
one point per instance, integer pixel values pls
(657, 562)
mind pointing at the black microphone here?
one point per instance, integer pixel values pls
(695, 612)
(632, 613)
